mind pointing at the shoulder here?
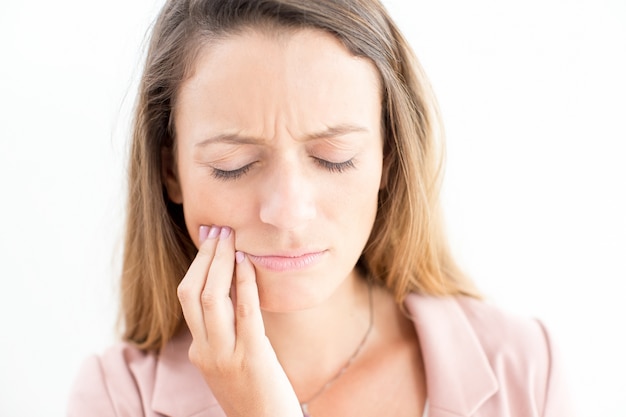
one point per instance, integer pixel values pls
(503, 333)
(125, 381)
(506, 358)
(521, 350)
(498, 332)
(113, 383)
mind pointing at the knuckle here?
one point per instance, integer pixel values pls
(183, 291)
(194, 354)
(209, 300)
(205, 250)
(229, 365)
(245, 310)
(209, 362)
(223, 366)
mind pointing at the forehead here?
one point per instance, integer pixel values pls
(302, 78)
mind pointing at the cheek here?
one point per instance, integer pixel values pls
(368, 196)
(355, 202)
(207, 203)
(366, 185)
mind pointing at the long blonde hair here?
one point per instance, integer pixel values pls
(407, 250)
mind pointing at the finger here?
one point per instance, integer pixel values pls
(190, 288)
(217, 306)
(249, 321)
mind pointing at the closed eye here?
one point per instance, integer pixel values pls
(335, 166)
(226, 175)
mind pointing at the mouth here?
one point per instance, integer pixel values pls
(284, 263)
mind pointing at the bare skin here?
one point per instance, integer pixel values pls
(237, 359)
(278, 167)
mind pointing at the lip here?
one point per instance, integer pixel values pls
(284, 263)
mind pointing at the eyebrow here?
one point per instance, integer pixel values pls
(333, 131)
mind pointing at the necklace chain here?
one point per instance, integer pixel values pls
(344, 368)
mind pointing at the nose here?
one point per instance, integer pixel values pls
(288, 197)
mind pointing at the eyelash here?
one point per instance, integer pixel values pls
(235, 174)
(337, 167)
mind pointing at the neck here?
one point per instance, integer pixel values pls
(313, 344)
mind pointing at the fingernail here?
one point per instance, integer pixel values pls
(239, 257)
(225, 232)
(215, 230)
(204, 232)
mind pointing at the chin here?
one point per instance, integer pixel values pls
(284, 294)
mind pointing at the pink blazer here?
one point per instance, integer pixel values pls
(479, 362)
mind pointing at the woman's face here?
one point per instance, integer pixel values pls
(279, 137)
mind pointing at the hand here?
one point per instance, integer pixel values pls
(229, 344)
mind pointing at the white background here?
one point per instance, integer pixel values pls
(533, 96)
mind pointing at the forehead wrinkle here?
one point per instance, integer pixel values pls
(334, 131)
(230, 138)
(328, 133)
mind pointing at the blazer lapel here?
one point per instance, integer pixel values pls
(458, 374)
(180, 389)
(459, 377)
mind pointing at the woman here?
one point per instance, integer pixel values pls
(284, 252)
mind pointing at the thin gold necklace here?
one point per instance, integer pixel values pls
(305, 405)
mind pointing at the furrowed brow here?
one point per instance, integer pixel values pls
(233, 138)
(339, 130)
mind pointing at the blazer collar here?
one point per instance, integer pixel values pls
(180, 389)
(458, 375)
(459, 378)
